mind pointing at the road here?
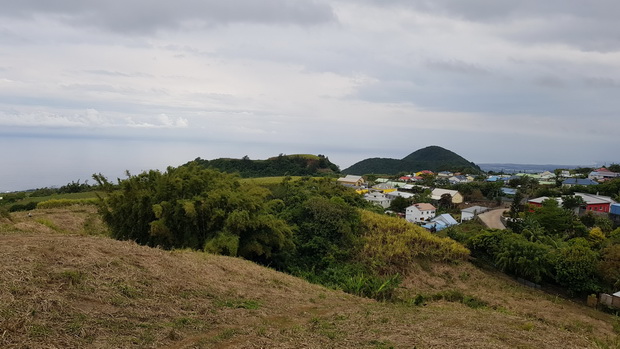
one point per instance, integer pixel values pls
(492, 218)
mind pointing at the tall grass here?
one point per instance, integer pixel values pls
(56, 203)
(392, 245)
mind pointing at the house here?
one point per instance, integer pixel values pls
(602, 174)
(436, 194)
(611, 300)
(445, 174)
(471, 212)
(424, 172)
(594, 203)
(458, 179)
(537, 202)
(384, 187)
(420, 212)
(508, 191)
(571, 182)
(440, 222)
(351, 181)
(394, 194)
(494, 178)
(547, 175)
(614, 213)
(378, 198)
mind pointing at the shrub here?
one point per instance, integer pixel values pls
(23, 207)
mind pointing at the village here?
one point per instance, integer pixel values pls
(435, 205)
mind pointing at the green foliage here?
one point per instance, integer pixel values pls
(400, 204)
(325, 232)
(458, 297)
(524, 258)
(23, 207)
(575, 267)
(197, 208)
(608, 267)
(572, 202)
(4, 213)
(556, 220)
(431, 158)
(282, 165)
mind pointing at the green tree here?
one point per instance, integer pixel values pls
(572, 202)
(576, 266)
(609, 267)
(516, 207)
(196, 208)
(400, 204)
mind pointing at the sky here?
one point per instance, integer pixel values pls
(107, 86)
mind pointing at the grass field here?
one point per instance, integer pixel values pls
(72, 196)
(63, 284)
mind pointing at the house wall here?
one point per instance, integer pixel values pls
(466, 216)
(415, 215)
(598, 207)
(457, 198)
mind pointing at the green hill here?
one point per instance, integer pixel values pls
(282, 165)
(433, 158)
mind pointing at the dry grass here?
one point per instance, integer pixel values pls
(69, 290)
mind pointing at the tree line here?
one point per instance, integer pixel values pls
(311, 227)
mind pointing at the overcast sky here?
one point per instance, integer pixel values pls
(103, 86)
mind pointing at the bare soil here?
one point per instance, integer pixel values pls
(61, 287)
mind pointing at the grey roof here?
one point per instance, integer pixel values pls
(445, 218)
(475, 209)
(579, 181)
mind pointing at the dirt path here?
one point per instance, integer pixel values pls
(492, 218)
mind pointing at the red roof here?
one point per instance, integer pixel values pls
(405, 178)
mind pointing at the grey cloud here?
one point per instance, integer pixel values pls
(116, 73)
(457, 66)
(494, 10)
(142, 16)
(589, 25)
(600, 82)
(550, 81)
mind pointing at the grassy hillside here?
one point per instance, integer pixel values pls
(431, 158)
(61, 287)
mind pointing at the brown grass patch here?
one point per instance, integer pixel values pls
(73, 291)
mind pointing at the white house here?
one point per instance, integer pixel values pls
(445, 219)
(394, 194)
(471, 212)
(378, 198)
(420, 212)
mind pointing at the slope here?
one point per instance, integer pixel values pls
(433, 158)
(73, 290)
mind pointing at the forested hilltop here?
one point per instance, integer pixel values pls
(281, 165)
(433, 158)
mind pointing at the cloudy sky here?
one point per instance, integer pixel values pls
(104, 86)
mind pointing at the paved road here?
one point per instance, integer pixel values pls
(491, 218)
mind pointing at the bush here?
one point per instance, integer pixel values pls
(23, 207)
